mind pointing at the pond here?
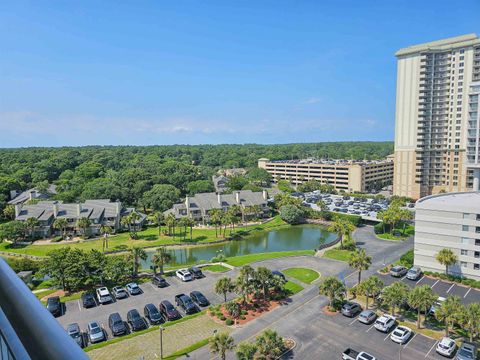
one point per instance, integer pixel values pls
(299, 237)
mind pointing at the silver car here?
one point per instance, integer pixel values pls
(414, 273)
(95, 332)
(467, 351)
(367, 317)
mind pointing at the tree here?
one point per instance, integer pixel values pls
(447, 258)
(223, 286)
(270, 345)
(405, 216)
(448, 312)
(236, 182)
(200, 186)
(61, 224)
(106, 231)
(137, 254)
(469, 319)
(161, 197)
(215, 218)
(83, 223)
(321, 205)
(342, 228)
(9, 212)
(285, 186)
(283, 199)
(421, 298)
(333, 288)
(395, 295)
(12, 230)
(118, 269)
(30, 224)
(246, 351)
(190, 223)
(133, 218)
(259, 176)
(170, 222)
(291, 214)
(161, 257)
(264, 278)
(220, 344)
(359, 260)
(370, 287)
(244, 282)
(234, 310)
(157, 218)
(56, 265)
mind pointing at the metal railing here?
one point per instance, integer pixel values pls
(27, 329)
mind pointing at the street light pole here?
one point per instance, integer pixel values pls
(161, 341)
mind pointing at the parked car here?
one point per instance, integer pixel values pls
(76, 334)
(350, 309)
(133, 288)
(446, 347)
(88, 300)
(279, 274)
(184, 275)
(54, 306)
(414, 273)
(467, 351)
(95, 332)
(401, 334)
(398, 271)
(159, 281)
(196, 272)
(116, 324)
(436, 305)
(168, 310)
(199, 298)
(351, 354)
(136, 321)
(103, 296)
(367, 317)
(385, 323)
(186, 303)
(151, 312)
(119, 292)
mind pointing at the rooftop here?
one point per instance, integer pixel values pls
(343, 162)
(441, 45)
(461, 202)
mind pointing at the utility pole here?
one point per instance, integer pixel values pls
(161, 328)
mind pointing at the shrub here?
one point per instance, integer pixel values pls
(291, 214)
(354, 219)
(57, 239)
(229, 322)
(407, 259)
(222, 317)
(349, 244)
(218, 258)
(242, 317)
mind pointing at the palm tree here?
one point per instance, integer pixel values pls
(421, 298)
(246, 351)
(182, 223)
(405, 215)
(359, 260)
(83, 223)
(216, 219)
(447, 258)
(133, 218)
(223, 286)
(190, 224)
(244, 282)
(220, 344)
(342, 228)
(61, 224)
(469, 319)
(125, 222)
(270, 344)
(157, 218)
(106, 231)
(137, 253)
(370, 287)
(171, 220)
(161, 257)
(257, 211)
(448, 312)
(30, 224)
(9, 212)
(395, 295)
(264, 278)
(234, 309)
(333, 288)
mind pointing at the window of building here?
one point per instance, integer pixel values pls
(476, 266)
(477, 242)
(477, 254)
(465, 228)
(463, 252)
(463, 264)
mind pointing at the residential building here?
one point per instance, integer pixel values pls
(436, 119)
(99, 212)
(343, 175)
(21, 197)
(450, 221)
(199, 207)
(220, 183)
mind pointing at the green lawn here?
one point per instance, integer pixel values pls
(247, 259)
(293, 287)
(398, 233)
(304, 275)
(146, 238)
(216, 268)
(338, 254)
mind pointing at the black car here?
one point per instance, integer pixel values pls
(88, 300)
(186, 303)
(199, 298)
(54, 306)
(196, 272)
(151, 312)
(116, 324)
(74, 331)
(168, 310)
(159, 281)
(136, 321)
(279, 274)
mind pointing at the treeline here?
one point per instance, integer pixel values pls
(128, 172)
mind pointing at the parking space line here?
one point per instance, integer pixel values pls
(450, 288)
(153, 287)
(419, 280)
(464, 296)
(409, 341)
(79, 307)
(436, 282)
(353, 321)
(370, 328)
(386, 337)
(429, 351)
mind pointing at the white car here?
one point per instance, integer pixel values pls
(184, 275)
(384, 323)
(435, 306)
(133, 288)
(401, 334)
(103, 295)
(446, 347)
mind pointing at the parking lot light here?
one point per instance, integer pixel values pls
(161, 328)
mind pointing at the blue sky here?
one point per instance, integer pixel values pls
(166, 72)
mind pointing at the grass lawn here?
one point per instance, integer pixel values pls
(247, 259)
(305, 275)
(147, 237)
(216, 268)
(42, 294)
(293, 287)
(338, 254)
(398, 233)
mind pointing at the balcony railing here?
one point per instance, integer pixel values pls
(27, 329)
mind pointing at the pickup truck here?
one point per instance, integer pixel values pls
(186, 303)
(351, 354)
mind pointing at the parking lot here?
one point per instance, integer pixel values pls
(75, 313)
(442, 288)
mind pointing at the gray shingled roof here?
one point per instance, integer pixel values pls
(25, 195)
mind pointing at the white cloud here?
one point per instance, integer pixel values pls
(313, 100)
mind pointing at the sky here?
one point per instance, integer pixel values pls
(194, 72)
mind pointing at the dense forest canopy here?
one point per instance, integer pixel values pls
(129, 173)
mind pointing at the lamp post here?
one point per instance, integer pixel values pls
(161, 328)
